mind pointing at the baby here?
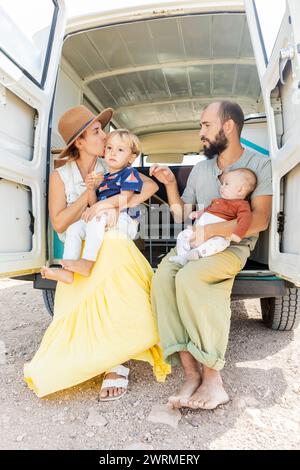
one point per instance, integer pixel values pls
(122, 148)
(236, 186)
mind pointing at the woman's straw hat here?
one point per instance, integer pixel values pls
(76, 120)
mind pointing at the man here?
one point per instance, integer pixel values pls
(192, 303)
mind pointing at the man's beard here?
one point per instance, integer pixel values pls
(217, 146)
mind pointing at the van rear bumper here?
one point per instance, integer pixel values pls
(244, 287)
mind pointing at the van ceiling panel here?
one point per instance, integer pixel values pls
(162, 72)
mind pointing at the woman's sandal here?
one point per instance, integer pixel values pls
(115, 383)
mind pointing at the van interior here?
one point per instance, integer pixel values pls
(157, 75)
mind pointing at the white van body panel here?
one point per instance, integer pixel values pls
(24, 112)
(284, 254)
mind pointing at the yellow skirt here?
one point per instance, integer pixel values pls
(99, 322)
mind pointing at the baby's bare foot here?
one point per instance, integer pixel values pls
(80, 266)
(57, 274)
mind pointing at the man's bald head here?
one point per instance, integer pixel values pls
(226, 110)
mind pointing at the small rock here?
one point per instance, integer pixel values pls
(90, 434)
(245, 401)
(5, 419)
(165, 415)
(95, 419)
(58, 417)
(195, 422)
(20, 438)
(254, 415)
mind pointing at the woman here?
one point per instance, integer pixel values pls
(105, 319)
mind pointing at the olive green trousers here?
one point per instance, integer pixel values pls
(192, 305)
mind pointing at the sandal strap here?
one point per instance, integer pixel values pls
(120, 370)
(114, 383)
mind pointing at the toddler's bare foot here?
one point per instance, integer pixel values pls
(80, 266)
(57, 274)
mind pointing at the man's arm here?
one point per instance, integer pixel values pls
(179, 209)
(261, 213)
(148, 189)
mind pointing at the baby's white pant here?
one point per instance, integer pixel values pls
(210, 247)
(93, 233)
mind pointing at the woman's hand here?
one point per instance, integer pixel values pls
(163, 174)
(96, 211)
(112, 217)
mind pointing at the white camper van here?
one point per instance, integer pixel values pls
(157, 65)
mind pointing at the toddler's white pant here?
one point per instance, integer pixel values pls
(210, 247)
(93, 232)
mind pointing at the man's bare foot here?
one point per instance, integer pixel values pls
(57, 274)
(191, 383)
(211, 392)
(80, 266)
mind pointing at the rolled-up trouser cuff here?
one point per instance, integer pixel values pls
(170, 355)
(209, 360)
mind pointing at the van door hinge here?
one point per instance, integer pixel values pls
(280, 222)
(36, 120)
(286, 54)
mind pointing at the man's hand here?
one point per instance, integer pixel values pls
(198, 236)
(163, 174)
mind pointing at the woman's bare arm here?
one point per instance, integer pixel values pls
(62, 216)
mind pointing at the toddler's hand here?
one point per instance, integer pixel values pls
(93, 180)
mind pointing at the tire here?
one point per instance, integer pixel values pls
(48, 296)
(282, 313)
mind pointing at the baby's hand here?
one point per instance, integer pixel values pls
(196, 214)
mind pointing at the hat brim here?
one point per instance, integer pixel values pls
(104, 117)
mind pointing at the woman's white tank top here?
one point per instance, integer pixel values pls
(74, 184)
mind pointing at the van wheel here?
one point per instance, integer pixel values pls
(282, 313)
(48, 296)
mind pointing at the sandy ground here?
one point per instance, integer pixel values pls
(261, 376)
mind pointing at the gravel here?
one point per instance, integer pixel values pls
(261, 376)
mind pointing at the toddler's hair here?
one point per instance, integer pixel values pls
(248, 176)
(128, 137)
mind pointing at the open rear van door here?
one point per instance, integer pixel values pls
(31, 37)
(279, 72)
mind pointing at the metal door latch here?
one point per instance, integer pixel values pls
(286, 54)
